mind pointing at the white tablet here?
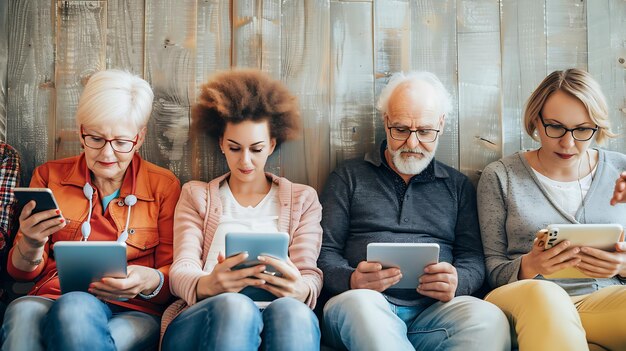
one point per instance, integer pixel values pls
(599, 236)
(82, 262)
(411, 258)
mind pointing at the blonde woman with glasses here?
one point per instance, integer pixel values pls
(565, 180)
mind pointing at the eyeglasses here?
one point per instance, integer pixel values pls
(118, 145)
(557, 131)
(423, 135)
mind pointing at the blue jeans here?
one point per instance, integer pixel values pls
(76, 321)
(365, 320)
(231, 321)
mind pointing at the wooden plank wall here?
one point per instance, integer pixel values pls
(335, 55)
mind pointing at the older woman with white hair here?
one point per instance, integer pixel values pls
(115, 313)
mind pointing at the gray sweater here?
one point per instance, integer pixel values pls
(513, 205)
(362, 203)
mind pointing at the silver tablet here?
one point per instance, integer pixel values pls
(411, 258)
(81, 262)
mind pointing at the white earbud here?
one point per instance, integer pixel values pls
(85, 228)
(130, 201)
(88, 191)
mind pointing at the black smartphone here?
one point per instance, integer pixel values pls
(43, 197)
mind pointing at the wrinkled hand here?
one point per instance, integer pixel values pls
(37, 227)
(603, 264)
(439, 281)
(139, 279)
(371, 275)
(545, 262)
(619, 193)
(288, 284)
(224, 279)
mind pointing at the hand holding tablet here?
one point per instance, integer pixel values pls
(595, 239)
(410, 258)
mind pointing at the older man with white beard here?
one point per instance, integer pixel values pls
(401, 194)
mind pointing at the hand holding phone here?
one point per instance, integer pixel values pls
(40, 215)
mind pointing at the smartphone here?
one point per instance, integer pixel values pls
(599, 236)
(43, 197)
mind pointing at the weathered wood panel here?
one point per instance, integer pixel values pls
(170, 68)
(81, 51)
(257, 44)
(213, 54)
(392, 48)
(524, 60)
(606, 25)
(566, 34)
(30, 82)
(4, 52)
(352, 113)
(125, 35)
(434, 49)
(306, 71)
(479, 85)
(334, 55)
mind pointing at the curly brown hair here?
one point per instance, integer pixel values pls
(243, 95)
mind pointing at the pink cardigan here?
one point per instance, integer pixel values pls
(196, 218)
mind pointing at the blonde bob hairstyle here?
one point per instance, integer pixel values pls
(114, 96)
(580, 85)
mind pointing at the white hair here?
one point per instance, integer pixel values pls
(399, 78)
(115, 96)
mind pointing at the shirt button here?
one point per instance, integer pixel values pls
(120, 203)
(131, 231)
(406, 219)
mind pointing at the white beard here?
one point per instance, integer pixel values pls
(408, 164)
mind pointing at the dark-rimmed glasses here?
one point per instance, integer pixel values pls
(425, 135)
(556, 131)
(119, 145)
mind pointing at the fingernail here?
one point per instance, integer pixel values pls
(262, 268)
(245, 254)
(61, 220)
(260, 258)
(261, 282)
(58, 211)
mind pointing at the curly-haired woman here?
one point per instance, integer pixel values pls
(250, 114)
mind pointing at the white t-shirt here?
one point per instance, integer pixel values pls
(236, 218)
(568, 195)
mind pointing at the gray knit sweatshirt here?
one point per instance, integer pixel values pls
(513, 205)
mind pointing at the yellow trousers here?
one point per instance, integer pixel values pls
(543, 317)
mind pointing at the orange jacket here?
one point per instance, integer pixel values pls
(157, 191)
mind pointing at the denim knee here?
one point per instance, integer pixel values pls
(354, 303)
(79, 321)
(485, 321)
(290, 325)
(234, 308)
(23, 322)
(292, 310)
